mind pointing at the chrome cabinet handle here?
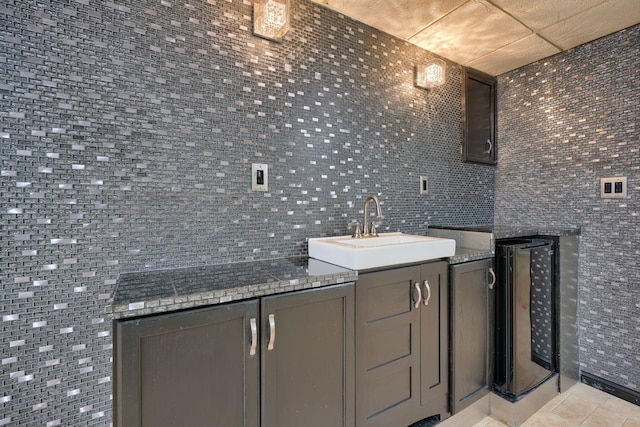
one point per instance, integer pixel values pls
(493, 278)
(416, 285)
(272, 331)
(428, 289)
(254, 336)
(490, 146)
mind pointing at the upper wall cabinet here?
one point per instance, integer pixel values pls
(479, 144)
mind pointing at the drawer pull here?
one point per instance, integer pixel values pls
(493, 278)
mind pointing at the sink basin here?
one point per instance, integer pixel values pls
(385, 250)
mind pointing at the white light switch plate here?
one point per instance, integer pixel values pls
(424, 184)
(259, 177)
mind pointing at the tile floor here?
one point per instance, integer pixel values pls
(580, 406)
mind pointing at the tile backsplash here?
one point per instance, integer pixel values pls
(128, 133)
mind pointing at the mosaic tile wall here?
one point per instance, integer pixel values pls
(564, 123)
(128, 130)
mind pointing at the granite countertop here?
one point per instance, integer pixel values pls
(466, 254)
(510, 231)
(507, 231)
(470, 254)
(150, 292)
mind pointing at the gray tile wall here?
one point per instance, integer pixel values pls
(128, 130)
(564, 123)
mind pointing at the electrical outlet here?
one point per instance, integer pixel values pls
(424, 184)
(259, 177)
(613, 188)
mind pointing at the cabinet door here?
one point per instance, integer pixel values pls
(307, 358)
(387, 347)
(479, 144)
(434, 340)
(194, 368)
(471, 332)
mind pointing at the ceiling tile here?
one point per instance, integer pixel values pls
(471, 31)
(478, 33)
(606, 18)
(540, 14)
(402, 18)
(515, 55)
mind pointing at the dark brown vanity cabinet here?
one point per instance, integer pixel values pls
(434, 341)
(479, 142)
(401, 345)
(185, 368)
(308, 363)
(472, 308)
(281, 361)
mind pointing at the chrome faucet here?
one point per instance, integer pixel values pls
(370, 230)
(366, 229)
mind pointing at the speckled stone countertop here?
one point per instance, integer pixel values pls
(510, 231)
(466, 254)
(506, 231)
(150, 292)
(469, 254)
(161, 291)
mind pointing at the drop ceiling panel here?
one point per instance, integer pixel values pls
(510, 57)
(493, 36)
(541, 14)
(473, 30)
(402, 18)
(606, 18)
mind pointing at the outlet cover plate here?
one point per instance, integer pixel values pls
(613, 188)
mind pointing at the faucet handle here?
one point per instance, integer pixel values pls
(358, 229)
(374, 225)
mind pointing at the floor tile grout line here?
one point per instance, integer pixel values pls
(591, 396)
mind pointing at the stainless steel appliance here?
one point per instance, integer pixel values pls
(526, 338)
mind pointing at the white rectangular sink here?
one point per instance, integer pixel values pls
(385, 250)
